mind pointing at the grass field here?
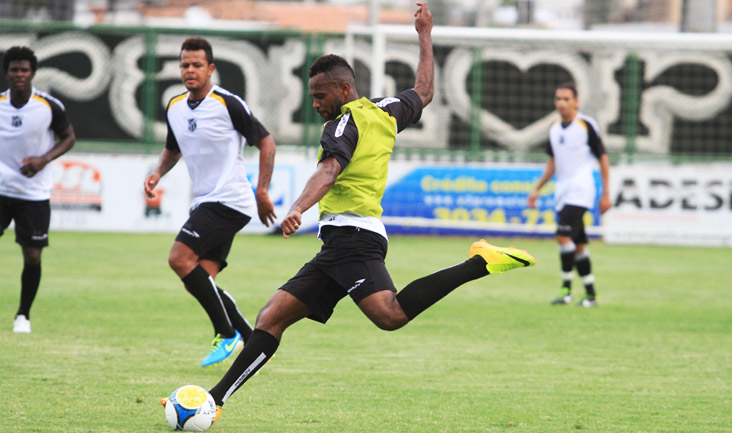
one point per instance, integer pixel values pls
(114, 330)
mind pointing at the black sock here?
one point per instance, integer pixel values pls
(258, 350)
(421, 294)
(200, 284)
(567, 261)
(584, 269)
(238, 321)
(30, 279)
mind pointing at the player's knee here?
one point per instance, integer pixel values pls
(32, 256)
(263, 315)
(389, 322)
(178, 262)
(32, 260)
(268, 320)
(173, 261)
(270, 316)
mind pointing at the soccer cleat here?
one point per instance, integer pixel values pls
(587, 302)
(163, 401)
(21, 325)
(218, 414)
(239, 346)
(501, 259)
(564, 297)
(221, 348)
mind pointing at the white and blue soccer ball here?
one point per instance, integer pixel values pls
(190, 408)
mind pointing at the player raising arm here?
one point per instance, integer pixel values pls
(348, 186)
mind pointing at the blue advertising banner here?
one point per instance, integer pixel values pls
(473, 200)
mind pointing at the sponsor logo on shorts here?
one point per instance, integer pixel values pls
(190, 232)
(42, 237)
(355, 286)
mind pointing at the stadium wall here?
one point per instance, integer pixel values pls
(659, 99)
(660, 95)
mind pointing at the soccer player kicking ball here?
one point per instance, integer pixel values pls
(208, 127)
(348, 186)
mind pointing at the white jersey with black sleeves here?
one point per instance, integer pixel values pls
(24, 132)
(575, 147)
(210, 134)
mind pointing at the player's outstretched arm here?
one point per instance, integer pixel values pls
(424, 84)
(315, 189)
(168, 159)
(265, 207)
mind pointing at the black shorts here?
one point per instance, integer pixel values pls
(570, 223)
(210, 231)
(32, 219)
(351, 262)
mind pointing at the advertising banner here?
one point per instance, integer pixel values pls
(105, 193)
(652, 203)
(480, 200)
(688, 204)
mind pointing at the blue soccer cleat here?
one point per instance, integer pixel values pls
(221, 348)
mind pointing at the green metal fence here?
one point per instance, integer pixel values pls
(654, 98)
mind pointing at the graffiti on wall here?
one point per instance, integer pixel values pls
(102, 79)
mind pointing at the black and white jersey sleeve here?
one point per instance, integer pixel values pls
(593, 138)
(243, 119)
(548, 149)
(59, 119)
(171, 143)
(339, 140)
(406, 108)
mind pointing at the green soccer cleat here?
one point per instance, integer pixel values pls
(587, 302)
(501, 259)
(221, 348)
(564, 297)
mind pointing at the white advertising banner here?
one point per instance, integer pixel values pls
(100, 192)
(652, 203)
(688, 204)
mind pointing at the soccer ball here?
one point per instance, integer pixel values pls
(190, 408)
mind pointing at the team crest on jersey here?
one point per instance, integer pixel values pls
(16, 121)
(192, 124)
